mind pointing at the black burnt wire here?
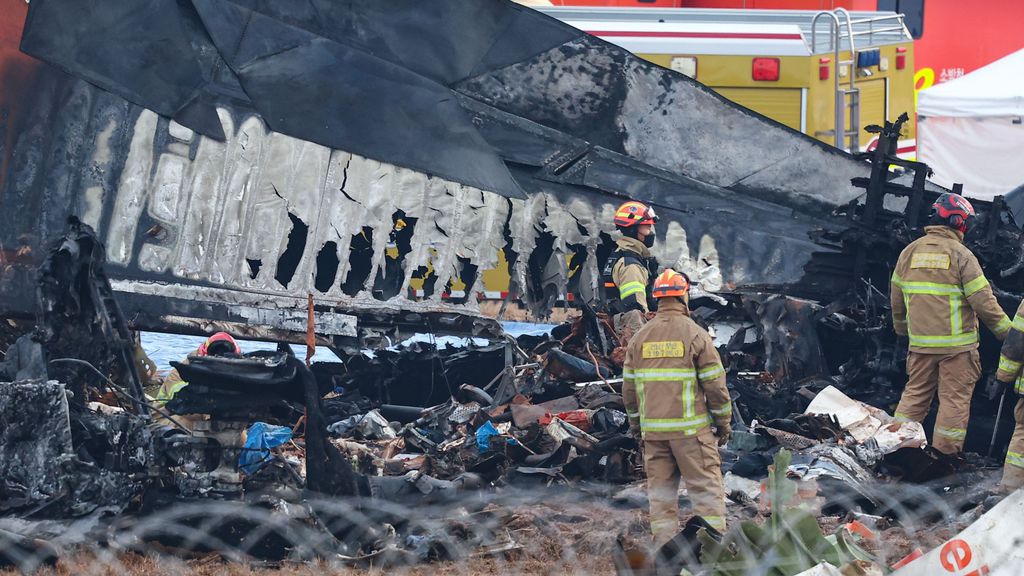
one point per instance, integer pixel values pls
(437, 356)
(120, 390)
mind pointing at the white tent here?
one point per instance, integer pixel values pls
(970, 129)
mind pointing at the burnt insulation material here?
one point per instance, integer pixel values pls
(32, 472)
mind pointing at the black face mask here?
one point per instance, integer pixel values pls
(649, 240)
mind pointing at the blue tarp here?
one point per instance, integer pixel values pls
(483, 436)
(260, 438)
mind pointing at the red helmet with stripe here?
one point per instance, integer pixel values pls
(634, 213)
(226, 344)
(671, 283)
(953, 210)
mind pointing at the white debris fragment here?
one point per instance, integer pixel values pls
(867, 424)
(991, 545)
(733, 482)
(823, 569)
(104, 408)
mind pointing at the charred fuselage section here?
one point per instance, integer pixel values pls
(225, 206)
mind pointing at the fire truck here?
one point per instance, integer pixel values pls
(827, 74)
(952, 37)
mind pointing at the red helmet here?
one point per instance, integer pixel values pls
(953, 210)
(228, 341)
(671, 283)
(632, 213)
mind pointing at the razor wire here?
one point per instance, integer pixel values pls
(508, 530)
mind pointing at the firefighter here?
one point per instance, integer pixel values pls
(938, 292)
(1010, 374)
(630, 268)
(674, 391)
(219, 344)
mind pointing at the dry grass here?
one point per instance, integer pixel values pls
(552, 538)
(570, 533)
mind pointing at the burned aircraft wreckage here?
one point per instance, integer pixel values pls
(209, 165)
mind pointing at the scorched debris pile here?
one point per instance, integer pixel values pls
(428, 422)
(519, 133)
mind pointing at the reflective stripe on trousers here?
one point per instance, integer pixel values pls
(951, 433)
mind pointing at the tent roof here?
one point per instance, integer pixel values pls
(996, 89)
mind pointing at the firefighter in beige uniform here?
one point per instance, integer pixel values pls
(674, 390)
(1010, 361)
(219, 344)
(938, 292)
(630, 268)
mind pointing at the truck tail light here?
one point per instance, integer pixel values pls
(824, 68)
(765, 69)
(901, 58)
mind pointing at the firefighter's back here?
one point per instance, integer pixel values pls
(665, 362)
(929, 273)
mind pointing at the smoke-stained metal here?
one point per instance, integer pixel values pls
(451, 104)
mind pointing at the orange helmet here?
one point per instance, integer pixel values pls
(671, 283)
(204, 348)
(632, 213)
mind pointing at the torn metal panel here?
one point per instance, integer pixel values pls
(79, 320)
(206, 216)
(245, 317)
(614, 100)
(721, 239)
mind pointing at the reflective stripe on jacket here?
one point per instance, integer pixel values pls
(673, 379)
(632, 279)
(1011, 357)
(938, 291)
(171, 386)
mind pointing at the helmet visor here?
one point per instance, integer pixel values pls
(649, 217)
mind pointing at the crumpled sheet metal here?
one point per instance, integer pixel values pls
(370, 426)
(868, 424)
(830, 461)
(991, 545)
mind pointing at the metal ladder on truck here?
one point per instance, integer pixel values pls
(843, 27)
